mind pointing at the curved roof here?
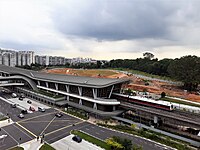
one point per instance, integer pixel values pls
(65, 79)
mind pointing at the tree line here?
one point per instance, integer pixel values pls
(185, 69)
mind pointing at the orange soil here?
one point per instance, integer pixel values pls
(137, 83)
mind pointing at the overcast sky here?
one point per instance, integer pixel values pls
(101, 29)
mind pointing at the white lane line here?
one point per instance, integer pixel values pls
(102, 131)
(10, 136)
(23, 131)
(48, 125)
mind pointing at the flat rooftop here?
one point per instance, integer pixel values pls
(65, 79)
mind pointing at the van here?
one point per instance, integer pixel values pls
(42, 109)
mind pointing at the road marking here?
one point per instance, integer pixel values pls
(64, 128)
(48, 125)
(22, 131)
(26, 129)
(47, 121)
(102, 131)
(10, 136)
(35, 117)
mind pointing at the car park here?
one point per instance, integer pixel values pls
(28, 101)
(77, 139)
(59, 115)
(41, 109)
(21, 116)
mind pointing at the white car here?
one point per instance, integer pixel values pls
(42, 109)
(21, 116)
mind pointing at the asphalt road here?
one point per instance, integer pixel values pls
(55, 128)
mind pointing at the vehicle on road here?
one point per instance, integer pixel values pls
(20, 98)
(28, 101)
(77, 139)
(13, 105)
(42, 109)
(14, 95)
(21, 116)
(24, 111)
(31, 108)
(59, 115)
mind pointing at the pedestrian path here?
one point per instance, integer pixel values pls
(32, 145)
(6, 122)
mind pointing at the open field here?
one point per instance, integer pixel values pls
(137, 83)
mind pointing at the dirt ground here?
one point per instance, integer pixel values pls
(138, 84)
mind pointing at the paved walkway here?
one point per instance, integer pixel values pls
(5, 122)
(68, 144)
(32, 145)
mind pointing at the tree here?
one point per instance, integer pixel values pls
(114, 145)
(148, 55)
(187, 70)
(163, 94)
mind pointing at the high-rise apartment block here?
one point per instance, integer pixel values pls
(16, 58)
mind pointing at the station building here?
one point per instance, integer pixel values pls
(90, 94)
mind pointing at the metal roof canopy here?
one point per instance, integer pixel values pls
(64, 79)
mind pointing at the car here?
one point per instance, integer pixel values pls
(59, 115)
(28, 101)
(41, 109)
(14, 95)
(77, 139)
(20, 98)
(31, 108)
(22, 95)
(24, 111)
(21, 116)
(13, 105)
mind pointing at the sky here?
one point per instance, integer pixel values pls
(101, 29)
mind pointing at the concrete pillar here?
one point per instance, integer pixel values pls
(56, 85)
(94, 93)
(80, 101)
(95, 106)
(38, 82)
(47, 84)
(80, 90)
(67, 88)
(111, 91)
(114, 108)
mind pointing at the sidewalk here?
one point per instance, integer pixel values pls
(31, 145)
(5, 123)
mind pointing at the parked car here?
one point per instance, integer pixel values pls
(77, 139)
(31, 108)
(24, 111)
(21, 116)
(42, 109)
(22, 95)
(13, 105)
(20, 98)
(28, 101)
(59, 115)
(14, 95)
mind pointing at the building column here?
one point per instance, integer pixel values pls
(38, 82)
(95, 106)
(94, 93)
(80, 93)
(47, 84)
(80, 101)
(56, 85)
(67, 89)
(114, 108)
(111, 91)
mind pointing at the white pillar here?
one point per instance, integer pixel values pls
(80, 101)
(94, 93)
(111, 91)
(80, 90)
(56, 85)
(38, 82)
(47, 84)
(67, 88)
(95, 106)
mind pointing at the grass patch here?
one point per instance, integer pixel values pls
(91, 139)
(160, 138)
(46, 147)
(78, 114)
(179, 101)
(17, 148)
(145, 74)
(49, 94)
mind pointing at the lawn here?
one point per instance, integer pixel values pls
(46, 147)
(179, 101)
(17, 148)
(91, 139)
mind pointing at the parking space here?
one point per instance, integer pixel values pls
(24, 103)
(14, 136)
(47, 123)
